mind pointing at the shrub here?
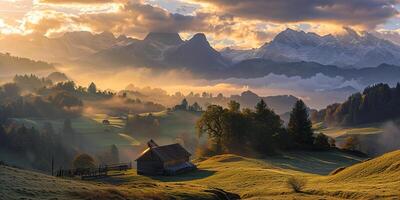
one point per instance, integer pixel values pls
(321, 142)
(296, 184)
(83, 161)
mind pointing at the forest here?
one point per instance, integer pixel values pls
(377, 103)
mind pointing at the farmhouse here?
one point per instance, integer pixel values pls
(164, 160)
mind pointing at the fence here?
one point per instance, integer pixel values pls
(89, 173)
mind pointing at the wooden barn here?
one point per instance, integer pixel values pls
(164, 160)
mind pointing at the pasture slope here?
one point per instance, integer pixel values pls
(249, 178)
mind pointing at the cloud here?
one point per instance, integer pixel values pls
(80, 1)
(391, 35)
(319, 82)
(244, 23)
(366, 13)
(139, 19)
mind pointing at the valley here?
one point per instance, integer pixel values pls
(199, 100)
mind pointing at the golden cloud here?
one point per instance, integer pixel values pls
(81, 1)
(367, 13)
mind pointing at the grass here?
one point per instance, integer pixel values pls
(90, 128)
(266, 179)
(176, 122)
(21, 184)
(250, 178)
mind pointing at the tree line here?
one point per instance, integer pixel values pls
(232, 130)
(376, 103)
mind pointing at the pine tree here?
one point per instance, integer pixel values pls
(300, 126)
(92, 89)
(184, 104)
(266, 126)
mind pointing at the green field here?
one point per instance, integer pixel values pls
(250, 178)
(90, 128)
(174, 123)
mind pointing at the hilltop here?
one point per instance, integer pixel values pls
(247, 177)
(267, 178)
(22, 184)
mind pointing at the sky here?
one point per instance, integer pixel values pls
(238, 23)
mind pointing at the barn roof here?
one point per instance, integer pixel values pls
(168, 152)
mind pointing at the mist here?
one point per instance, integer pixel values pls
(318, 91)
(389, 139)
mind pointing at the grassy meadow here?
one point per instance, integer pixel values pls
(250, 178)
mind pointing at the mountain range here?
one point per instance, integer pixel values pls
(350, 49)
(63, 49)
(292, 53)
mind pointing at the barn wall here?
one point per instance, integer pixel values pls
(175, 162)
(150, 167)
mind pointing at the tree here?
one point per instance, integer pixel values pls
(65, 99)
(184, 104)
(234, 106)
(114, 154)
(321, 142)
(211, 123)
(261, 106)
(68, 132)
(11, 90)
(195, 107)
(300, 126)
(67, 86)
(83, 161)
(92, 89)
(266, 127)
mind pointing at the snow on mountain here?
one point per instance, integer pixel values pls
(349, 49)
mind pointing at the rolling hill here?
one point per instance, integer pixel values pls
(247, 177)
(22, 184)
(11, 65)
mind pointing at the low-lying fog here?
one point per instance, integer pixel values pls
(317, 91)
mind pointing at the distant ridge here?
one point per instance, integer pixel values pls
(164, 38)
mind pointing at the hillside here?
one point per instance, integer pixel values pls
(11, 65)
(250, 178)
(22, 184)
(267, 178)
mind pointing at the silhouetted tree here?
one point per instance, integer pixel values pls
(83, 161)
(321, 142)
(211, 123)
(195, 107)
(65, 99)
(114, 153)
(11, 90)
(92, 89)
(300, 126)
(266, 127)
(234, 106)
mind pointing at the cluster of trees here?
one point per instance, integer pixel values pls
(195, 107)
(35, 147)
(238, 131)
(146, 125)
(56, 104)
(31, 82)
(69, 86)
(376, 103)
